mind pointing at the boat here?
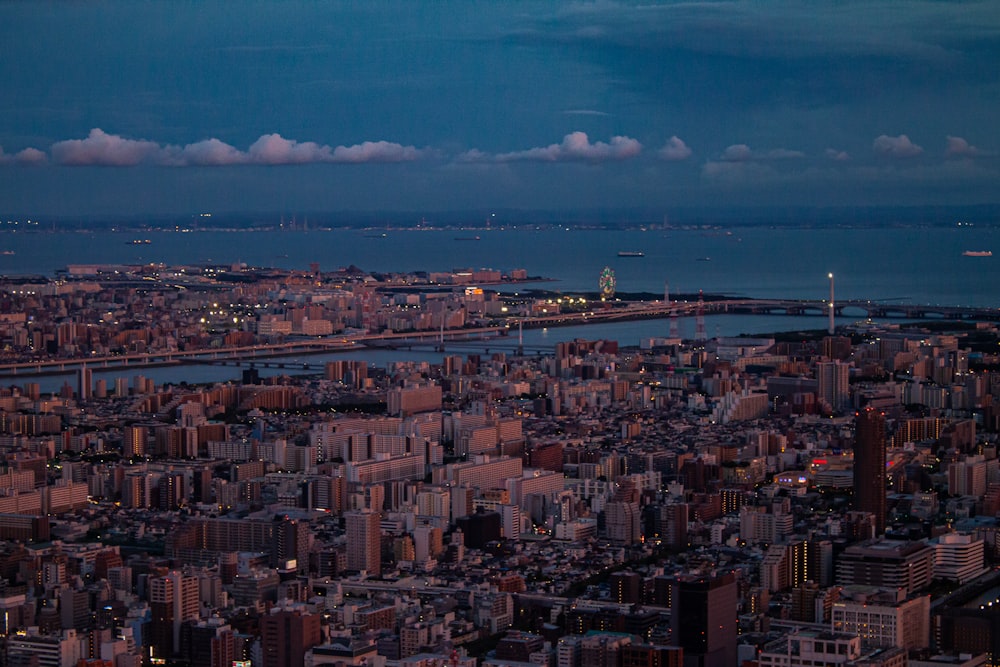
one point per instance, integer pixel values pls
(7, 252)
(466, 238)
(978, 253)
(138, 242)
(631, 253)
(376, 236)
(704, 259)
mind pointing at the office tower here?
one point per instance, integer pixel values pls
(703, 619)
(85, 382)
(290, 544)
(286, 636)
(869, 465)
(173, 599)
(832, 384)
(364, 542)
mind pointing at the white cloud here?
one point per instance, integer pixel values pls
(737, 153)
(376, 151)
(111, 150)
(783, 154)
(30, 156)
(585, 112)
(900, 146)
(273, 149)
(837, 155)
(959, 147)
(211, 153)
(473, 155)
(675, 150)
(743, 153)
(107, 150)
(577, 146)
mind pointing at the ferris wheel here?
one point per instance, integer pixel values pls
(607, 282)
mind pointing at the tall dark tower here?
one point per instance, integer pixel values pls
(869, 465)
(703, 619)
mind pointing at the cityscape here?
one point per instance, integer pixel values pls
(596, 333)
(827, 496)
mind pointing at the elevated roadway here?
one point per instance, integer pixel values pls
(609, 312)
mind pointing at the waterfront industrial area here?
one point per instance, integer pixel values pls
(824, 498)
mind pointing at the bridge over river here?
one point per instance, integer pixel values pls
(267, 355)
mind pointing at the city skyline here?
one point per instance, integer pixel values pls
(127, 109)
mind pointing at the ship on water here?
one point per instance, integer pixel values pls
(631, 253)
(978, 253)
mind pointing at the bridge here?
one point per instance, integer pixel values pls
(464, 338)
(802, 307)
(869, 308)
(246, 353)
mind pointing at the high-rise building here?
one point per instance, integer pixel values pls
(869, 465)
(364, 542)
(85, 383)
(291, 541)
(134, 441)
(832, 384)
(286, 635)
(703, 619)
(173, 599)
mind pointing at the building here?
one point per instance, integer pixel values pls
(869, 465)
(48, 650)
(405, 401)
(811, 648)
(887, 564)
(364, 542)
(958, 557)
(286, 635)
(832, 384)
(882, 619)
(173, 599)
(703, 621)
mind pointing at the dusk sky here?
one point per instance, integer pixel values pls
(131, 108)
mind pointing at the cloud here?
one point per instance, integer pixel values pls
(836, 155)
(783, 154)
(743, 153)
(273, 149)
(897, 147)
(28, 156)
(211, 153)
(111, 150)
(108, 150)
(959, 147)
(675, 150)
(576, 146)
(31, 156)
(473, 155)
(737, 153)
(585, 112)
(376, 151)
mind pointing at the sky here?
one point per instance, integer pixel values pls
(126, 108)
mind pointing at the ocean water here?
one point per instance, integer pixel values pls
(913, 265)
(909, 265)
